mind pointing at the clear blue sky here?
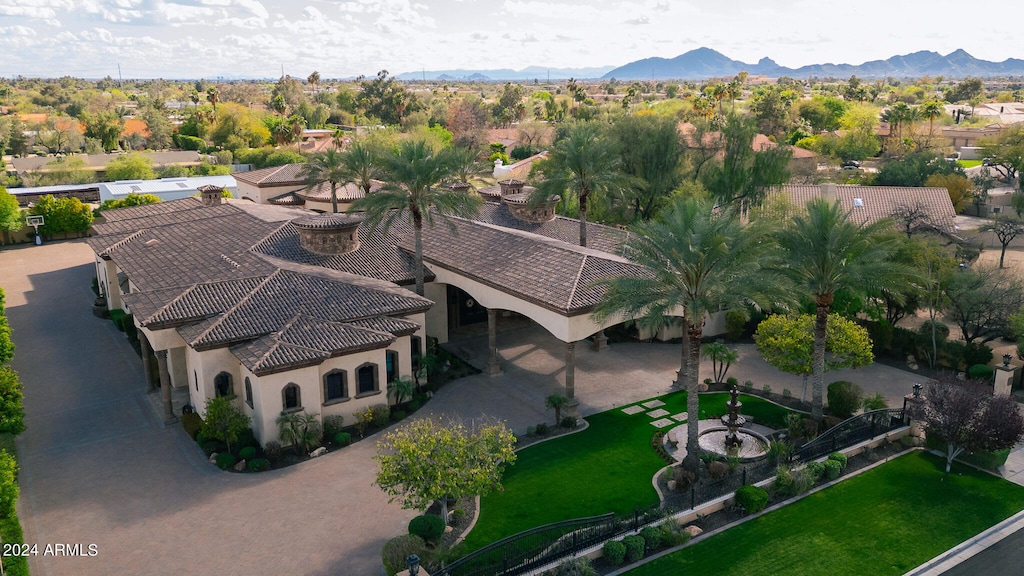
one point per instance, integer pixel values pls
(255, 38)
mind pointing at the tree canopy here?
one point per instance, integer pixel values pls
(130, 167)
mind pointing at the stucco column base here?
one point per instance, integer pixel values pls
(571, 409)
(147, 372)
(600, 342)
(494, 368)
(405, 572)
(493, 363)
(165, 388)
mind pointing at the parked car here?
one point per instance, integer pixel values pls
(851, 165)
(986, 162)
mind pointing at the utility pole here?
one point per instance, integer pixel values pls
(120, 81)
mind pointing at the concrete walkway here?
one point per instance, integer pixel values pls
(98, 467)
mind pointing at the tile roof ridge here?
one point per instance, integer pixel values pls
(332, 275)
(303, 316)
(173, 301)
(576, 282)
(125, 240)
(554, 242)
(230, 310)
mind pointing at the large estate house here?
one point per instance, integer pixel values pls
(289, 309)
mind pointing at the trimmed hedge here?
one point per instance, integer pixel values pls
(634, 548)
(832, 469)
(342, 439)
(427, 526)
(399, 548)
(258, 465)
(614, 552)
(838, 457)
(192, 424)
(752, 498)
(247, 453)
(225, 460)
(652, 537)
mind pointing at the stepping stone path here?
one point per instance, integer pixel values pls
(658, 413)
(681, 417)
(653, 404)
(663, 423)
(633, 410)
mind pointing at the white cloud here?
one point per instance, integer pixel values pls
(17, 30)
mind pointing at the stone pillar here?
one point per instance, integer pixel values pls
(572, 406)
(493, 363)
(913, 407)
(1003, 380)
(146, 368)
(165, 387)
(600, 342)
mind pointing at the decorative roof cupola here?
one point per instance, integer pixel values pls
(210, 194)
(511, 186)
(329, 234)
(518, 205)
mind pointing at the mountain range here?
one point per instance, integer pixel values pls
(705, 63)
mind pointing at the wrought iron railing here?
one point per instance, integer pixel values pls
(851, 431)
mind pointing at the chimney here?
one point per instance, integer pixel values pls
(329, 234)
(829, 192)
(511, 187)
(210, 194)
(519, 206)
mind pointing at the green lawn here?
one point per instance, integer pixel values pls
(969, 163)
(886, 521)
(606, 468)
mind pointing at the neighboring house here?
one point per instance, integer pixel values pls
(292, 310)
(164, 188)
(98, 162)
(283, 186)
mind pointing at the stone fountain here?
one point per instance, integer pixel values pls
(731, 438)
(733, 421)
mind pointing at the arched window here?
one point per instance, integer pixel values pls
(222, 385)
(335, 386)
(248, 392)
(291, 397)
(392, 365)
(366, 380)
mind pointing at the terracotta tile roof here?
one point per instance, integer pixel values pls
(873, 203)
(273, 176)
(599, 237)
(287, 199)
(171, 307)
(346, 192)
(552, 274)
(165, 218)
(389, 324)
(149, 210)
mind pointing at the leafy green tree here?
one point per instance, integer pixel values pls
(583, 163)
(11, 219)
(130, 167)
(428, 461)
(132, 199)
(386, 99)
(8, 485)
(236, 128)
(509, 106)
(915, 168)
(968, 417)
(414, 175)
(62, 215)
(696, 260)
(12, 414)
(651, 152)
(787, 343)
(859, 140)
(325, 167)
(825, 252)
(981, 300)
(744, 174)
(1005, 229)
(966, 90)
(557, 402)
(60, 135)
(1006, 151)
(770, 108)
(104, 126)
(159, 127)
(957, 185)
(224, 421)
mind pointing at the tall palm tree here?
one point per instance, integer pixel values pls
(326, 166)
(931, 111)
(823, 252)
(697, 260)
(583, 163)
(213, 95)
(413, 175)
(362, 165)
(465, 165)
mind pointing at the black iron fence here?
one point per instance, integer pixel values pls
(851, 431)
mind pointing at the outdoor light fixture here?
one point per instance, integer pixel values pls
(414, 564)
(1006, 359)
(917, 390)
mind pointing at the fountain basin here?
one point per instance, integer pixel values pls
(754, 445)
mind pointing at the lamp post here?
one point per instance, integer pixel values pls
(414, 564)
(917, 390)
(1006, 360)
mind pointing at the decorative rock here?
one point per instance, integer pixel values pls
(318, 452)
(448, 529)
(693, 531)
(240, 466)
(213, 458)
(672, 485)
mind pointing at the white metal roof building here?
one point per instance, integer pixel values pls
(165, 188)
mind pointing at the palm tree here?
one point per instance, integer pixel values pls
(413, 176)
(362, 165)
(823, 252)
(698, 260)
(401, 389)
(931, 111)
(583, 163)
(465, 165)
(326, 166)
(213, 95)
(314, 80)
(556, 402)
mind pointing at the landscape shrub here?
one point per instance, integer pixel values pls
(117, 316)
(192, 424)
(832, 469)
(751, 498)
(397, 415)
(844, 398)
(980, 372)
(210, 446)
(975, 353)
(247, 453)
(380, 415)
(748, 386)
(273, 450)
(332, 425)
(258, 465)
(458, 515)
(414, 405)
(815, 470)
(708, 457)
(831, 421)
(790, 482)
(542, 429)
(904, 342)
(531, 430)
(925, 333)
(522, 152)
(427, 526)
(342, 439)
(225, 460)
(673, 534)
(651, 536)
(569, 422)
(614, 552)
(839, 457)
(246, 438)
(718, 470)
(810, 428)
(767, 389)
(986, 460)
(779, 450)
(634, 548)
(874, 402)
(574, 567)
(188, 142)
(787, 393)
(8, 484)
(735, 324)
(732, 381)
(364, 418)
(397, 549)
(683, 477)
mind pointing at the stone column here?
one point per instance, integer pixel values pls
(165, 387)
(493, 363)
(146, 368)
(913, 407)
(600, 342)
(1003, 380)
(572, 406)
